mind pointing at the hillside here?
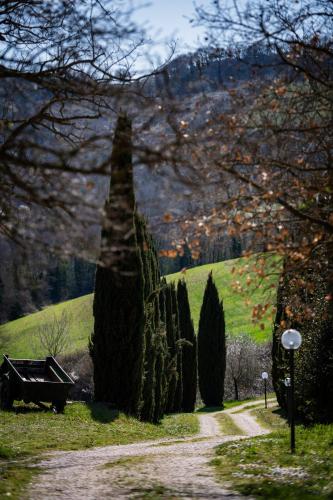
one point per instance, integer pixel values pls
(203, 79)
(238, 306)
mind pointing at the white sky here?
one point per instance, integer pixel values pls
(169, 19)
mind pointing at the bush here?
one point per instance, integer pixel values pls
(79, 366)
(246, 360)
(305, 303)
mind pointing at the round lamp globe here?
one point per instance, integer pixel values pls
(291, 339)
(287, 382)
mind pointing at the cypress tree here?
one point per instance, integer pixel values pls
(174, 366)
(172, 348)
(162, 358)
(160, 338)
(178, 399)
(211, 347)
(189, 349)
(152, 318)
(149, 380)
(117, 344)
(161, 380)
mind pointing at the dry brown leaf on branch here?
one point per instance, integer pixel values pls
(167, 217)
(171, 254)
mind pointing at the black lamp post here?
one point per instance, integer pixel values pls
(291, 341)
(264, 376)
(287, 384)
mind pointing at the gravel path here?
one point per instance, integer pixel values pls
(245, 420)
(167, 469)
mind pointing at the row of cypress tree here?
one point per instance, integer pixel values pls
(143, 346)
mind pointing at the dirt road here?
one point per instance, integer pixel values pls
(167, 469)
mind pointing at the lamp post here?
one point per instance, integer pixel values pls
(264, 376)
(291, 341)
(287, 384)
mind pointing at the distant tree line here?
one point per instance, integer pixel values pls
(210, 250)
(27, 283)
(216, 69)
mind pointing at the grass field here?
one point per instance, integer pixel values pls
(263, 467)
(231, 277)
(29, 431)
(21, 332)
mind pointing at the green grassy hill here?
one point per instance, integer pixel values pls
(230, 277)
(240, 288)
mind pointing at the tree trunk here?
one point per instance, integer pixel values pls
(236, 389)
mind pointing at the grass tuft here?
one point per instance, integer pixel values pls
(127, 461)
(153, 492)
(14, 478)
(228, 426)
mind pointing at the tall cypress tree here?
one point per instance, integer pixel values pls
(178, 399)
(160, 338)
(162, 357)
(117, 344)
(189, 349)
(162, 360)
(174, 366)
(211, 347)
(172, 349)
(152, 318)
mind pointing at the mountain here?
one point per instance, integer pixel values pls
(30, 280)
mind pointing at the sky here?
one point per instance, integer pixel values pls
(166, 19)
(170, 18)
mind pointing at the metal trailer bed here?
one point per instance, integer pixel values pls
(34, 381)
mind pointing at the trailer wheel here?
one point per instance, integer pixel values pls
(58, 406)
(6, 400)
